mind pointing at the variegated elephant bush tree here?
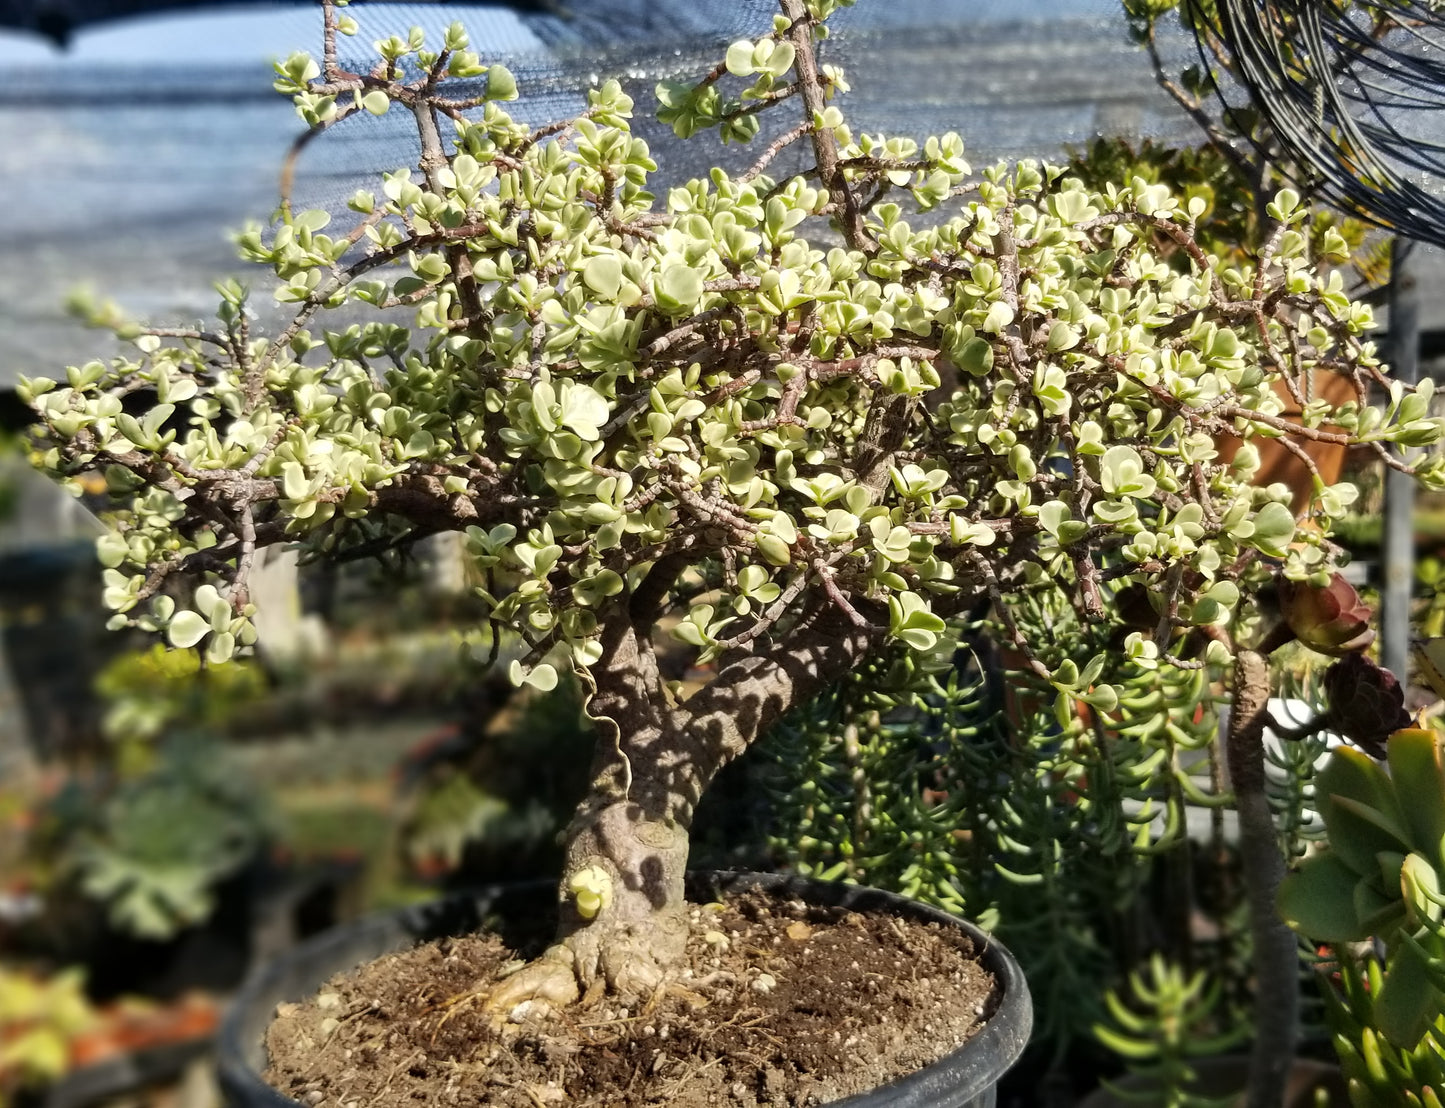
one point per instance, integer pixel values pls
(788, 421)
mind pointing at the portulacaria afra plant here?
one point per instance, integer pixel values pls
(789, 420)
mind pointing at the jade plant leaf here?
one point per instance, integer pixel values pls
(1358, 832)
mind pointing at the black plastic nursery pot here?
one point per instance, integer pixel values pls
(965, 1078)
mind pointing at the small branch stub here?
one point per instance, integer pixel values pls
(591, 888)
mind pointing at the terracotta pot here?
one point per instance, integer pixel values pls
(966, 1078)
(1226, 1076)
(1276, 463)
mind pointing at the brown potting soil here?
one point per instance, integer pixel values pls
(780, 1003)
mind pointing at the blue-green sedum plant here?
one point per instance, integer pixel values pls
(966, 789)
(155, 851)
(782, 418)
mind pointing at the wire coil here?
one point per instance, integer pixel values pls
(1354, 91)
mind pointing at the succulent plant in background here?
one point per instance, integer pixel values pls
(147, 692)
(1381, 876)
(153, 849)
(1329, 618)
(964, 789)
(1379, 1074)
(40, 1017)
(1166, 1029)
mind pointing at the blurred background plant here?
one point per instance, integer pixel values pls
(484, 799)
(148, 691)
(41, 1018)
(10, 455)
(149, 825)
(152, 847)
(1167, 1021)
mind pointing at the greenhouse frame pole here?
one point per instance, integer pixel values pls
(1398, 539)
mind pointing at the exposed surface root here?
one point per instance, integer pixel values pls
(536, 990)
(620, 966)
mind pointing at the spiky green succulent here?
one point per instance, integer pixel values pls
(1382, 873)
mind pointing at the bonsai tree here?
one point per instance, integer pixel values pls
(789, 422)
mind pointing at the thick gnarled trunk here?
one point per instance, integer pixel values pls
(640, 928)
(620, 900)
(621, 897)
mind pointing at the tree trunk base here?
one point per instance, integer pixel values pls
(629, 960)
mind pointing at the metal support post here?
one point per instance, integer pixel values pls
(1398, 552)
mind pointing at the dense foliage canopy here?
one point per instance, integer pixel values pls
(888, 386)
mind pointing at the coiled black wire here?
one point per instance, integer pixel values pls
(1354, 92)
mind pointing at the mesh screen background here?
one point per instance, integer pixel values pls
(126, 174)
